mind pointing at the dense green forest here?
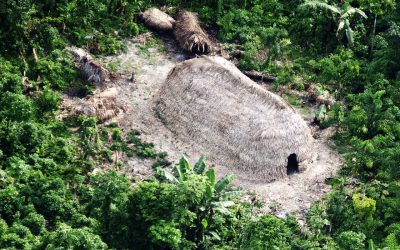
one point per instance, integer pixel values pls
(50, 199)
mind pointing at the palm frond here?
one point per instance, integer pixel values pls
(350, 11)
(340, 27)
(200, 166)
(223, 183)
(211, 177)
(350, 37)
(169, 176)
(321, 5)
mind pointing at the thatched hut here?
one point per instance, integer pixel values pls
(208, 102)
(157, 20)
(191, 37)
(103, 106)
(91, 70)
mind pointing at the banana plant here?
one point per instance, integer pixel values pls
(217, 199)
(344, 13)
(215, 192)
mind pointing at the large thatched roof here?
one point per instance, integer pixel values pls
(234, 121)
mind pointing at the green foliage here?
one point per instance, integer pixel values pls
(47, 25)
(364, 206)
(108, 199)
(72, 238)
(377, 6)
(51, 199)
(261, 31)
(338, 67)
(267, 232)
(345, 13)
(191, 210)
(351, 240)
(48, 101)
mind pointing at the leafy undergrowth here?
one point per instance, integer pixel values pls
(50, 198)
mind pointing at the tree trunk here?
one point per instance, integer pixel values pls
(373, 35)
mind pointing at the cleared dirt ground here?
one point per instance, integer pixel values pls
(150, 67)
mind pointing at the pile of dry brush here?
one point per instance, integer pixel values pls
(103, 103)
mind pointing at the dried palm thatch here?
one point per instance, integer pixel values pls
(91, 70)
(237, 123)
(190, 35)
(158, 20)
(103, 106)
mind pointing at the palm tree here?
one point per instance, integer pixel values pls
(344, 13)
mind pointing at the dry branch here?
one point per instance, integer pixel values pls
(255, 75)
(191, 37)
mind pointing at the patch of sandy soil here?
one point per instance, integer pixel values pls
(150, 67)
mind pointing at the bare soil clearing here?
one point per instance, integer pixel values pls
(150, 67)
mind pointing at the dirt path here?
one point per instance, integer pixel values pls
(151, 67)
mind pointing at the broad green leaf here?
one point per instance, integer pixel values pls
(200, 165)
(215, 235)
(340, 27)
(211, 177)
(204, 222)
(222, 210)
(223, 183)
(349, 34)
(209, 192)
(184, 164)
(183, 168)
(377, 99)
(170, 177)
(371, 245)
(181, 174)
(352, 11)
(317, 4)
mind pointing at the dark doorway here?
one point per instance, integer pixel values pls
(293, 165)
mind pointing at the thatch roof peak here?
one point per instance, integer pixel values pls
(231, 119)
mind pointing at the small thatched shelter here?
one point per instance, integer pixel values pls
(91, 70)
(190, 35)
(103, 106)
(158, 20)
(208, 102)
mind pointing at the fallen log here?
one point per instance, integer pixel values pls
(255, 75)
